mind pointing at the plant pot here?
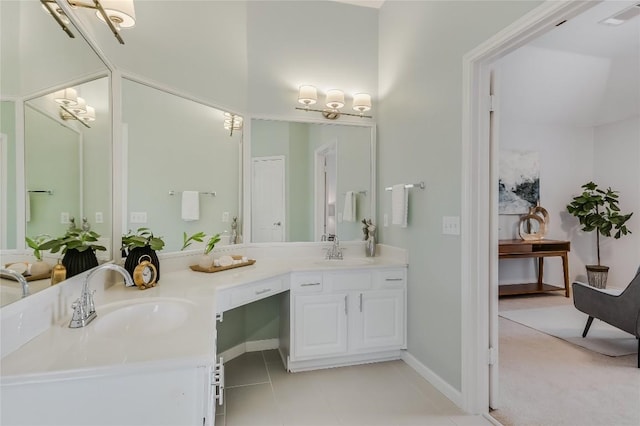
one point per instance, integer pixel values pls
(597, 275)
(77, 262)
(133, 259)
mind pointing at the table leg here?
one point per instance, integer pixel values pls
(565, 267)
(540, 272)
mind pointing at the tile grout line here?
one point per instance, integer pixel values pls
(245, 385)
(273, 393)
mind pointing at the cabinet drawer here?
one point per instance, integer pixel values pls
(391, 278)
(348, 280)
(306, 283)
(256, 291)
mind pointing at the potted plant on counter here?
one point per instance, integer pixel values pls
(79, 249)
(141, 243)
(39, 267)
(598, 210)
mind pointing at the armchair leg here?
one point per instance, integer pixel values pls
(586, 328)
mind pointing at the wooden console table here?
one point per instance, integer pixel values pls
(519, 249)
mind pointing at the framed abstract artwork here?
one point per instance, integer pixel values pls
(519, 181)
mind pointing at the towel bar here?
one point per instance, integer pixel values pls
(420, 185)
(212, 193)
(357, 192)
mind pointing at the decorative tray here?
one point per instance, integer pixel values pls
(198, 268)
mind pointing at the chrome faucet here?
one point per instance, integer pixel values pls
(84, 309)
(19, 277)
(334, 252)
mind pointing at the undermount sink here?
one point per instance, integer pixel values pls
(142, 319)
(345, 262)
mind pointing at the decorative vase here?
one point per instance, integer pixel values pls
(133, 259)
(206, 261)
(77, 262)
(597, 275)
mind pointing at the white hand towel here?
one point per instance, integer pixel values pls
(190, 205)
(399, 205)
(349, 213)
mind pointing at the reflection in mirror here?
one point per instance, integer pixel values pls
(67, 176)
(37, 58)
(175, 145)
(310, 181)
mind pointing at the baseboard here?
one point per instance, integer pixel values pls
(445, 388)
(254, 346)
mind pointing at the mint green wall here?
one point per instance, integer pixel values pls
(8, 127)
(256, 321)
(177, 144)
(421, 46)
(300, 212)
(52, 153)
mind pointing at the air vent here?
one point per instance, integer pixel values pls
(622, 16)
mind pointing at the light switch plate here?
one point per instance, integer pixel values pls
(225, 216)
(64, 217)
(99, 217)
(451, 225)
(138, 217)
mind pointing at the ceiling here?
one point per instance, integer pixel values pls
(583, 34)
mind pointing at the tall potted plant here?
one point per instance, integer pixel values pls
(141, 243)
(598, 210)
(79, 249)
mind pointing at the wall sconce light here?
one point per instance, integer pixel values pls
(308, 95)
(116, 14)
(73, 107)
(232, 122)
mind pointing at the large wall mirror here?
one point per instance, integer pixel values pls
(175, 145)
(51, 168)
(311, 181)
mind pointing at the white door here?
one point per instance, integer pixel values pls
(4, 206)
(268, 199)
(320, 325)
(378, 320)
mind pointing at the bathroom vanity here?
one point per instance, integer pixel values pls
(150, 356)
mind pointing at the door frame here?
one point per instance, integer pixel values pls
(476, 237)
(320, 187)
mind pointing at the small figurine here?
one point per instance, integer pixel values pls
(86, 226)
(234, 231)
(365, 229)
(371, 240)
(72, 223)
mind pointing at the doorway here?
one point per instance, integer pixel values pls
(325, 215)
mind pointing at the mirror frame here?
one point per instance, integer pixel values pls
(246, 179)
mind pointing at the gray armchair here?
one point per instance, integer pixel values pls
(621, 309)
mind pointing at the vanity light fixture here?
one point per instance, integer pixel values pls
(116, 14)
(308, 95)
(232, 122)
(73, 107)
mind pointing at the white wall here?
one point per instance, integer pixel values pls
(617, 156)
(419, 138)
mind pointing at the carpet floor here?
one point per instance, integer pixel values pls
(567, 323)
(548, 381)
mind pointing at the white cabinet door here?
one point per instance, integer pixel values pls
(319, 325)
(379, 321)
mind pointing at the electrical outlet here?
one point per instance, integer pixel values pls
(99, 217)
(138, 217)
(451, 225)
(225, 216)
(64, 217)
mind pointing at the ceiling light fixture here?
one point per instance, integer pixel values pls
(623, 16)
(116, 14)
(308, 95)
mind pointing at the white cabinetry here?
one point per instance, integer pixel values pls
(346, 317)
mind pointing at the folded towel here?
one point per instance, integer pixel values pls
(399, 205)
(349, 213)
(190, 205)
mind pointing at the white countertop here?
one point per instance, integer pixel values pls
(61, 352)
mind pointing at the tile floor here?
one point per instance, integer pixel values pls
(259, 392)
